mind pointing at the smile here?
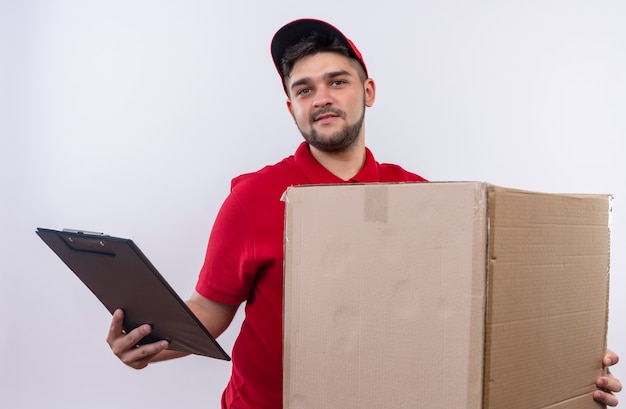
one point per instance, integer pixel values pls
(325, 117)
(326, 114)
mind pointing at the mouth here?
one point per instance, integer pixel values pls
(326, 115)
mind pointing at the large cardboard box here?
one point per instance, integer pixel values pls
(444, 295)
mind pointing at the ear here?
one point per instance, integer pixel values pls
(290, 108)
(370, 92)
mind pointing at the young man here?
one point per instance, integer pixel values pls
(328, 90)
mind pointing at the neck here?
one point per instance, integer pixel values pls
(346, 164)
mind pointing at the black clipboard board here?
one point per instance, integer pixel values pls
(121, 276)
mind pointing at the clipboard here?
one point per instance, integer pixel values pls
(121, 276)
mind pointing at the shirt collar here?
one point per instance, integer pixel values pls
(318, 174)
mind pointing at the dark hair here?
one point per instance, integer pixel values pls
(314, 44)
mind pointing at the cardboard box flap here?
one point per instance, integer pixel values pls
(548, 291)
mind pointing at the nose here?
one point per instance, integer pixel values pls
(322, 97)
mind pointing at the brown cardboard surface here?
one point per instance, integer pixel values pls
(435, 294)
(548, 292)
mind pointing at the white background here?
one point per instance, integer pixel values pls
(131, 117)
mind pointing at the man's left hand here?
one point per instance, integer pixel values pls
(607, 384)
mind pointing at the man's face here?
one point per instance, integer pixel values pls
(327, 99)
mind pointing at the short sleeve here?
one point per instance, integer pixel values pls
(229, 268)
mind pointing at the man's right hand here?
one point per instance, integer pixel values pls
(125, 347)
(213, 315)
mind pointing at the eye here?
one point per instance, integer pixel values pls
(338, 82)
(303, 91)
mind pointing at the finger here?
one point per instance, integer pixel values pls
(610, 358)
(126, 342)
(605, 398)
(139, 357)
(609, 383)
(116, 329)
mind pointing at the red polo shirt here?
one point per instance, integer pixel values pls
(244, 262)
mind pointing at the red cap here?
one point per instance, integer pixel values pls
(294, 32)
